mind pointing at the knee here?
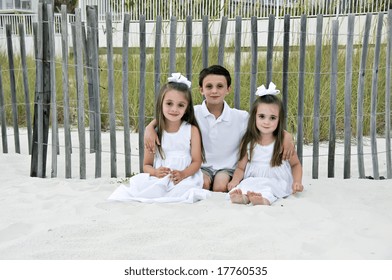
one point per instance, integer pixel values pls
(206, 183)
(219, 187)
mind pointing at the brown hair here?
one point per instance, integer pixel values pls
(214, 70)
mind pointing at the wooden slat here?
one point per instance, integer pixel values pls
(92, 43)
(112, 111)
(36, 169)
(254, 60)
(301, 86)
(89, 74)
(332, 102)
(237, 62)
(270, 48)
(173, 38)
(360, 96)
(142, 91)
(316, 99)
(347, 97)
(4, 141)
(125, 105)
(222, 40)
(78, 56)
(205, 42)
(10, 52)
(25, 85)
(285, 65)
(373, 100)
(188, 48)
(157, 56)
(65, 90)
(53, 94)
(388, 98)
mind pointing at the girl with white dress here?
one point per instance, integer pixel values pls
(173, 173)
(261, 176)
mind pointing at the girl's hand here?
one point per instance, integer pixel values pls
(297, 187)
(161, 172)
(231, 185)
(177, 176)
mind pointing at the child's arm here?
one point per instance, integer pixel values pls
(151, 137)
(288, 145)
(238, 173)
(179, 175)
(148, 164)
(296, 170)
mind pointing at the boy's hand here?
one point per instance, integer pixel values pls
(161, 172)
(150, 138)
(297, 187)
(288, 146)
(177, 176)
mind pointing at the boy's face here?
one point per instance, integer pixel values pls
(214, 89)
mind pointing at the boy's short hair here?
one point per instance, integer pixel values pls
(214, 70)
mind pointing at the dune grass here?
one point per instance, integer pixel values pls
(134, 80)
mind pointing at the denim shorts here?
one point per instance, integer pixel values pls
(210, 172)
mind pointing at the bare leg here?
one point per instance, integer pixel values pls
(236, 196)
(257, 199)
(221, 180)
(206, 182)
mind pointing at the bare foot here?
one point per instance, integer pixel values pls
(236, 196)
(257, 199)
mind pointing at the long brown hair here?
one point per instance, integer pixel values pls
(252, 134)
(189, 115)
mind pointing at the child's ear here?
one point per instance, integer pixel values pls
(201, 90)
(228, 90)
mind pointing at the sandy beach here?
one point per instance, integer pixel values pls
(71, 219)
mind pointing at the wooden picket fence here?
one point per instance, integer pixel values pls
(45, 107)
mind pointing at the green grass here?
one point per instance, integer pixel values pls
(134, 80)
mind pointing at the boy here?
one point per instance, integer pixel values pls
(221, 129)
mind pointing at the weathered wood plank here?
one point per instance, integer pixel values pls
(316, 99)
(111, 97)
(237, 62)
(332, 100)
(347, 97)
(67, 127)
(361, 97)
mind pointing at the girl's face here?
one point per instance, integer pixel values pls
(267, 118)
(214, 89)
(174, 105)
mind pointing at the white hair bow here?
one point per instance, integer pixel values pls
(178, 78)
(261, 90)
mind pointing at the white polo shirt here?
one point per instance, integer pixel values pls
(221, 136)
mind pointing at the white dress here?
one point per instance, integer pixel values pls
(177, 156)
(272, 182)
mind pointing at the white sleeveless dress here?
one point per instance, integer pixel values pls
(272, 182)
(177, 156)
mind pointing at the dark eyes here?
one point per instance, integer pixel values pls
(211, 86)
(171, 104)
(261, 116)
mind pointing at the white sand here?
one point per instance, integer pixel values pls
(57, 218)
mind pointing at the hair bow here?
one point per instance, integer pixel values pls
(178, 78)
(261, 90)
